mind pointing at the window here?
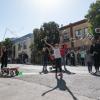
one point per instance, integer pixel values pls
(24, 45)
(78, 33)
(19, 47)
(86, 30)
(81, 33)
(66, 37)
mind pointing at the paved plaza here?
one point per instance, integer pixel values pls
(77, 84)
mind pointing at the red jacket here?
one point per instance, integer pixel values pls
(62, 51)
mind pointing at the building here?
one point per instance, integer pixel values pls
(76, 34)
(21, 48)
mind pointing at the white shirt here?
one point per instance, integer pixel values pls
(57, 53)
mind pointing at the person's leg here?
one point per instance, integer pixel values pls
(60, 67)
(2, 64)
(56, 67)
(82, 60)
(88, 67)
(71, 61)
(64, 62)
(97, 68)
(6, 62)
(45, 67)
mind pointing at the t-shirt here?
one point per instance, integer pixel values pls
(57, 53)
(83, 54)
(62, 51)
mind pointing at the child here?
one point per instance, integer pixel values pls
(89, 61)
(57, 56)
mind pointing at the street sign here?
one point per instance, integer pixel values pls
(97, 30)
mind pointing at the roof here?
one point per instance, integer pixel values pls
(23, 38)
(74, 24)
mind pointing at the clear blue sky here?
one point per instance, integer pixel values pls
(22, 16)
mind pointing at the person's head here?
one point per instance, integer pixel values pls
(44, 48)
(62, 46)
(88, 51)
(4, 48)
(56, 45)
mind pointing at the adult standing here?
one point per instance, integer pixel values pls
(4, 57)
(83, 54)
(57, 56)
(63, 56)
(45, 54)
(72, 57)
(95, 50)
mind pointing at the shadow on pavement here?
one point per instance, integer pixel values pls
(61, 84)
(68, 72)
(64, 71)
(94, 74)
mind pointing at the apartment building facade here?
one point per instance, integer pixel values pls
(76, 34)
(21, 48)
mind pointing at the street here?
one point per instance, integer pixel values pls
(77, 84)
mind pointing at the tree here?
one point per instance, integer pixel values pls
(51, 30)
(8, 44)
(93, 17)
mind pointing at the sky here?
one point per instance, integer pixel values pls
(20, 17)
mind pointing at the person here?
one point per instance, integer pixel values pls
(45, 54)
(4, 57)
(83, 54)
(68, 57)
(63, 56)
(95, 50)
(78, 57)
(51, 58)
(72, 57)
(89, 61)
(57, 55)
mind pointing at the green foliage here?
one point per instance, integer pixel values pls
(49, 30)
(8, 43)
(93, 16)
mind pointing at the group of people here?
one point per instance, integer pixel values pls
(60, 55)
(56, 54)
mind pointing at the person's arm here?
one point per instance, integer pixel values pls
(1, 53)
(48, 44)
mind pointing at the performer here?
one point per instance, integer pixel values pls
(57, 56)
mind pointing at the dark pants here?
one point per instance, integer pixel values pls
(89, 67)
(72, 61)
(58, 64)
(3, 63)
(45, 63)
(83, 61)
(96, 64)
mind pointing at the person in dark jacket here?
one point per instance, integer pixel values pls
(72, 58)
(95, 50)
(4, 57)
(45, 54)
